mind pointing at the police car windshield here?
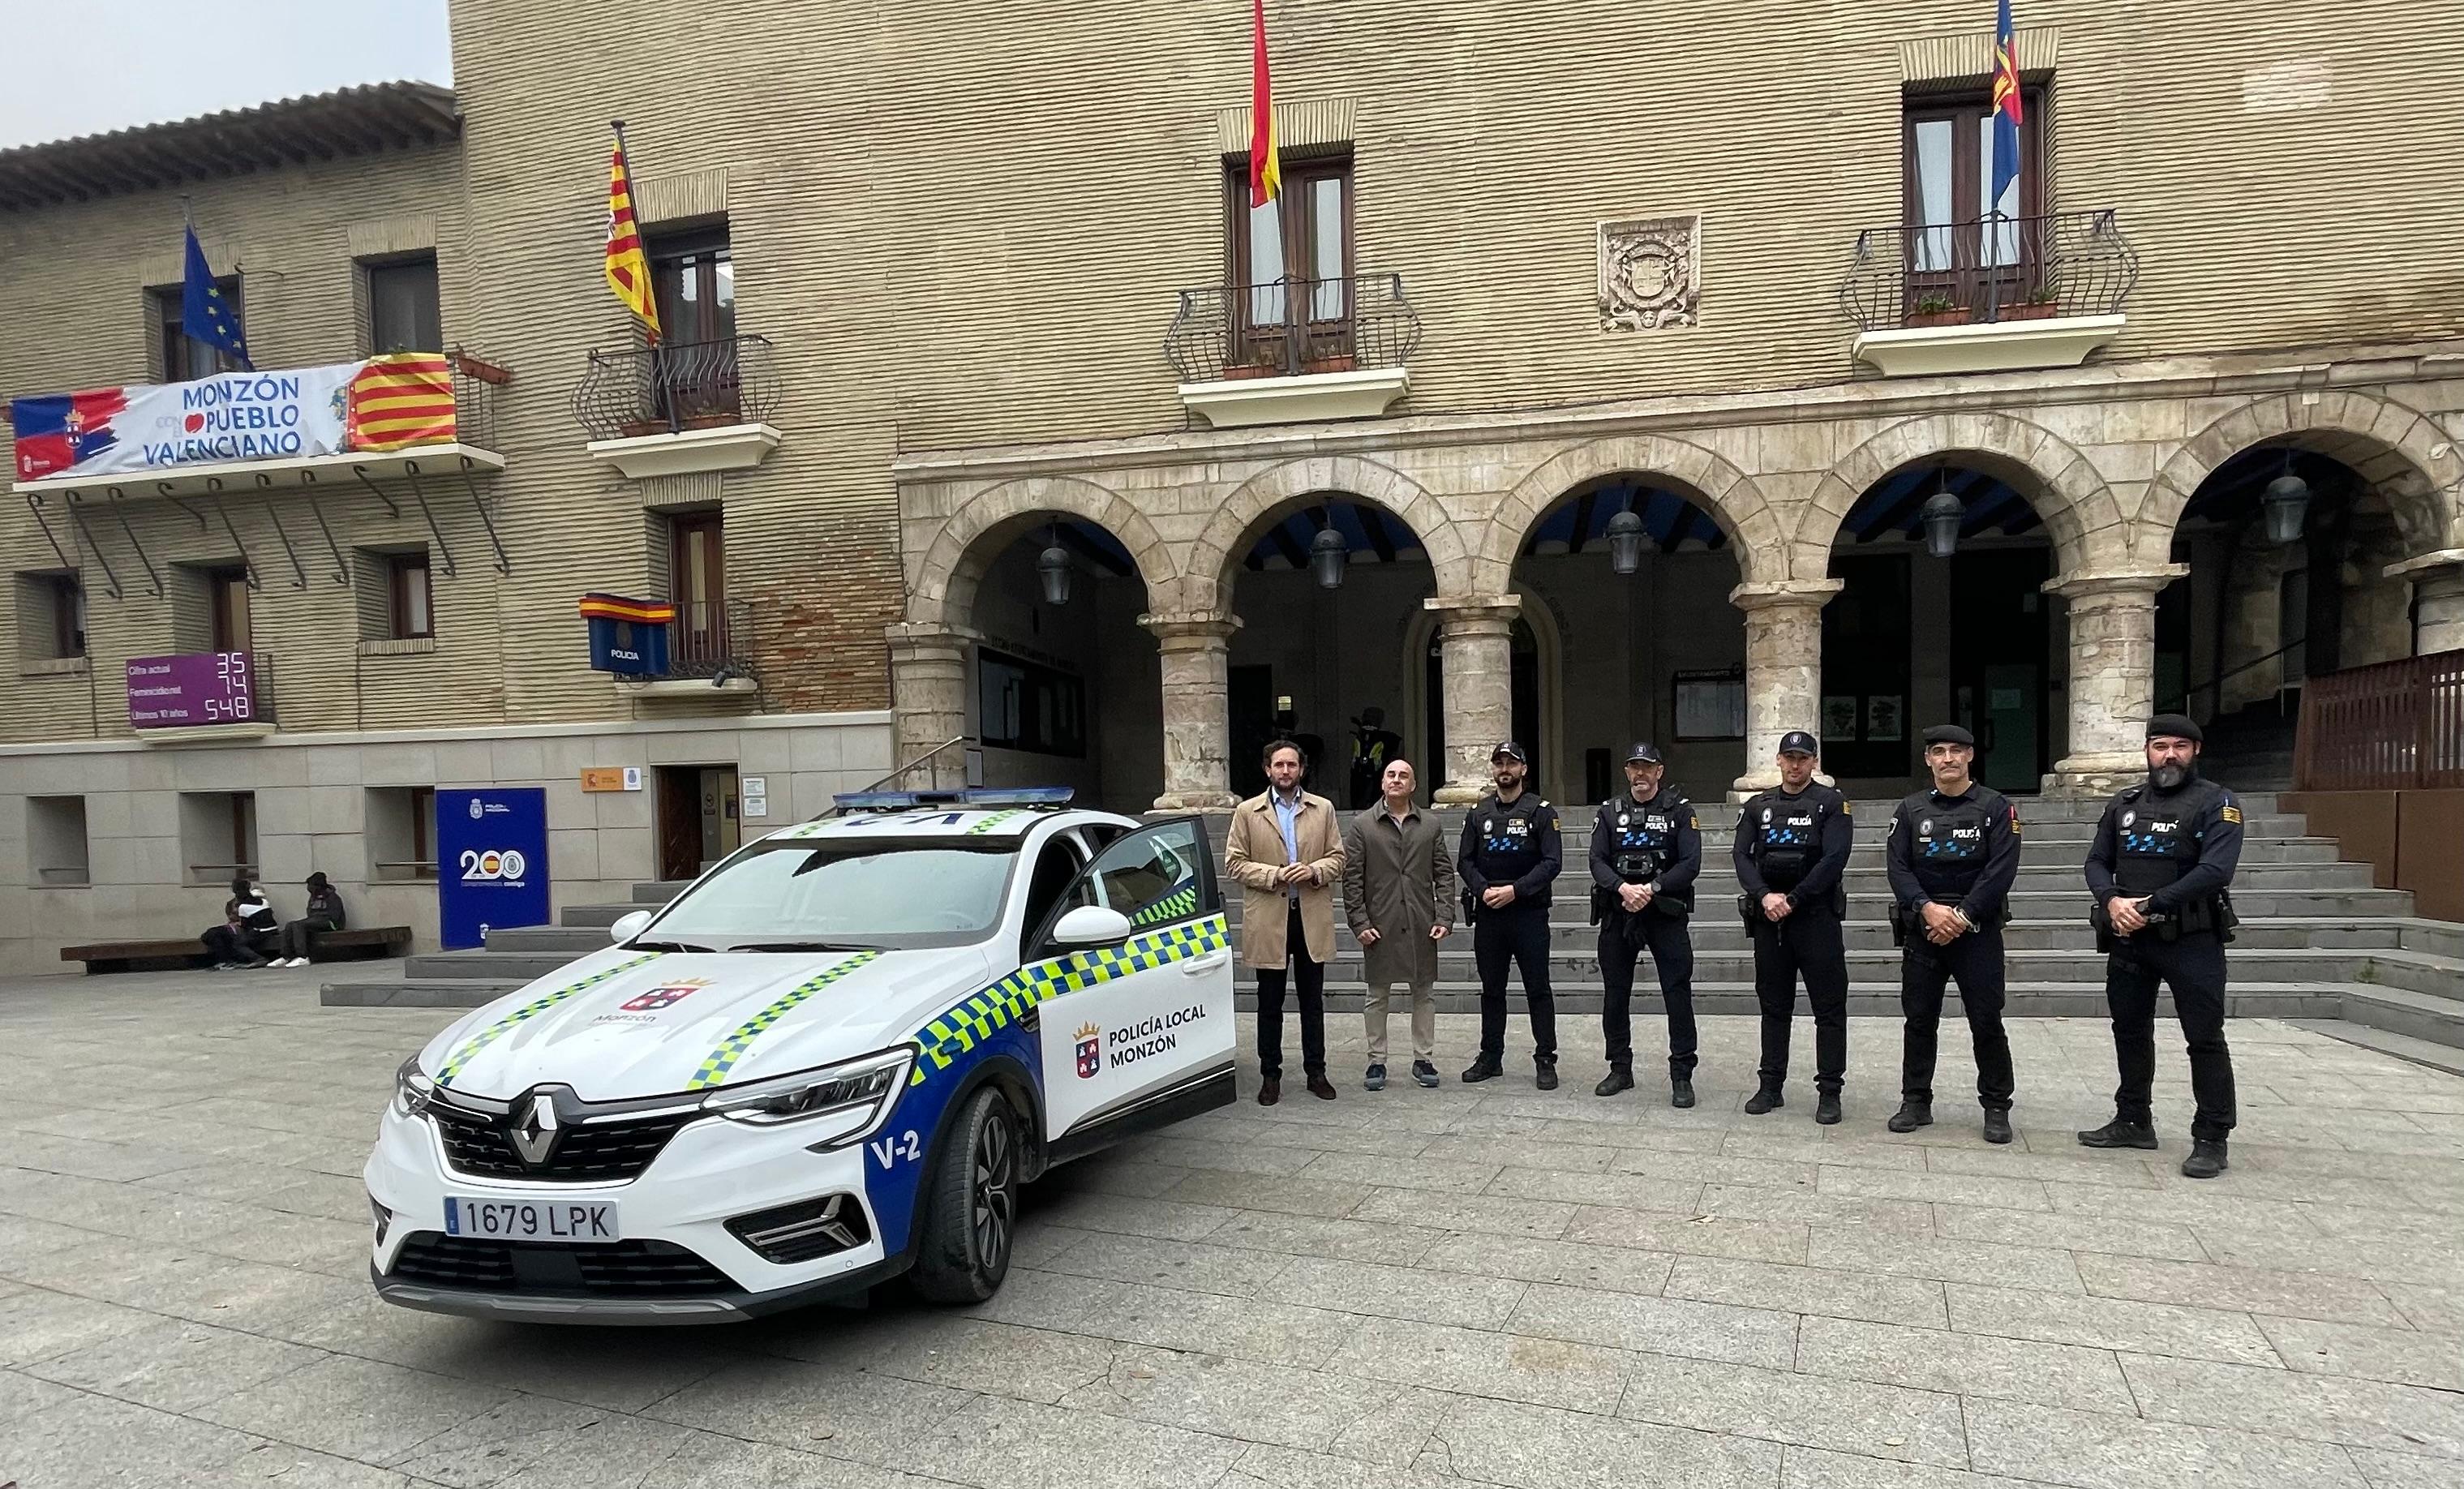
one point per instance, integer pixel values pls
(876, 893)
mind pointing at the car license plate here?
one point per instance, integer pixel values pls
(532, 1220)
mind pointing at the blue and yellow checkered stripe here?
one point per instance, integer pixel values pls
(715, 1065)
(1181, 902)
(532, 1010)
(944, 1040)
(994, 821)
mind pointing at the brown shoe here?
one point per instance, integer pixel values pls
(1270, 1091)
(1321, 1087)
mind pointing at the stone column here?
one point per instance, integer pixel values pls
(1196, 710)
(2437, 598)
(1783, 670)
(928, 692)
(2113, 677)
(1476, 651)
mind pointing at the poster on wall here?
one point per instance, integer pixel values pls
(1839, 717)
(1885, 719)
(1710, 705)
(492, 867)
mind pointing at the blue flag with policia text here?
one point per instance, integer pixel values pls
(205, 315)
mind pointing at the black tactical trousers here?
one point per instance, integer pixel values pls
(1623, 938)
(1517, 935)
(1809, 941)
(2193, 967)
(1975, 959)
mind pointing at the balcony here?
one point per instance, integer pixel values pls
(682, 407)
(1995, 294)
(1294, 350)
(709, 647)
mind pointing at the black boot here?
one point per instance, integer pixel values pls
(1826, 1109)
(1619, 1078)
(1911, 1116)
(2118, 1134)
(1680, 1090)
(1544, 1074)
(1484, 1069)
(1763, 1100)
(2206, 1158)
(1997, 1126)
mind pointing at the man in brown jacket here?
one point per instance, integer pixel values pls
(1398, 893)
(1284, 850)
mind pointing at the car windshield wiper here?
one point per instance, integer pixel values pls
(802, 946)
(663, 946)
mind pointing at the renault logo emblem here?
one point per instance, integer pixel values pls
(535, 1132)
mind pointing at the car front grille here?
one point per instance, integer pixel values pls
(600, 1152)
(807, 1230)
(617, 1269)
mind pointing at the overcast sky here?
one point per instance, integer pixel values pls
(87, 66)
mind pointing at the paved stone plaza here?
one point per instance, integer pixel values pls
(1482, 1285)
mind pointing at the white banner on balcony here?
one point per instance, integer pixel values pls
(286, 414)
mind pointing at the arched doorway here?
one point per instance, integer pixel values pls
(1063, 683)
(1918, 637)
(1655, 653)
(1319, 655)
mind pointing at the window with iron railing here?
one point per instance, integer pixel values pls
(698, 638)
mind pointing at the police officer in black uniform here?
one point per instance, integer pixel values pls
(2159, 868)
(1952, 855)
(1791, 851)
(1511, 853)
(1646, 849)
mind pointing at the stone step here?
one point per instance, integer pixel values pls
(2069, 903)
(2390, 968)
(2403, 1046)
(2417, 1014)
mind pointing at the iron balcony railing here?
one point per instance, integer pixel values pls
(1289, 327)
(1990, 269)
(709, 637)
(476, 377)
(678, 385)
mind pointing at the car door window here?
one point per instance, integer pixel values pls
(1157, 876)
(1057, 865)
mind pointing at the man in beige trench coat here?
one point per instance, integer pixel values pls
(1284, 849)
(1398, 893)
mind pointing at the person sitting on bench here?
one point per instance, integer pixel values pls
(324, 914)
(246, 920)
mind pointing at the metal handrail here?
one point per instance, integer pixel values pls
(678, 385)
(2215, 685)
(1989, 269)
(902, 770)
(1289, 326)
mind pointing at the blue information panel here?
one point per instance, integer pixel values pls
(491, 862)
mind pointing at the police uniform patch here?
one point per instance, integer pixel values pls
(2231, 814)
(1623, 819)
(1765, 817)
(2128, 817)
(1924, 828)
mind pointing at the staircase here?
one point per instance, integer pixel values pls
(2316, 942)
(2251, 749)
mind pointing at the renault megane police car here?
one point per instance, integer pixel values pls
(834, 1058)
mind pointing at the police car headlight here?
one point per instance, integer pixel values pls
(859, 1091)
(411, 1090)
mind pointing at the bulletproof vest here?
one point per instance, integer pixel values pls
(1506, 840)
(1948, 841)
(1642, 840)
(1787, 835)
(2156, 837)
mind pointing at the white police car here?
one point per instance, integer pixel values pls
(835, 1058)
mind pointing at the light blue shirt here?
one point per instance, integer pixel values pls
(1288, 816)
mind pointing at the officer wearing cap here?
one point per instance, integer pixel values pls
(2159, 871)
(1646, 849)
(1792, 853)
(1510, 852)
(1952, 855)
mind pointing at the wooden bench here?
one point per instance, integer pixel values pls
(167, 955)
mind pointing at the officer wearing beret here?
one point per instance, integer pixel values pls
(1952, 855)
(1791, 852)
(2160, 870)
(1646, 849)
(1510, 854)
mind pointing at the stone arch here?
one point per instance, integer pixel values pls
(1702, 476)
(2069, 496)
(2401, 451)
(941, 581)
(1213, 560)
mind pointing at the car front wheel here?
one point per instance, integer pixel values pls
(973, 1218)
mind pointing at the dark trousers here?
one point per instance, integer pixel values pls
(1623, 938)
(1975, 959)
(296, 933)
(1517, 934)
(1309, 983)
(1809, 941)
(226, 945)
(2193, 967)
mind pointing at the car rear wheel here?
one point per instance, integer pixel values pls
(973, 1218)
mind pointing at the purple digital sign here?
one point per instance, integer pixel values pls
(204, 688)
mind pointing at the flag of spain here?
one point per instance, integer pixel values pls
(401, 401)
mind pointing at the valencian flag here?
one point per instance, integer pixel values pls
(1266, 163)
(205, 315)
(2006, 113)
(395, 402)
(629, 271)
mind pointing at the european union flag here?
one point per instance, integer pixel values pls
(205, 315)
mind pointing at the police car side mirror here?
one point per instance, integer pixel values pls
(629, 926)
(1092, 925)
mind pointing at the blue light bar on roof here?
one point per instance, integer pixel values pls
(972, 796)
